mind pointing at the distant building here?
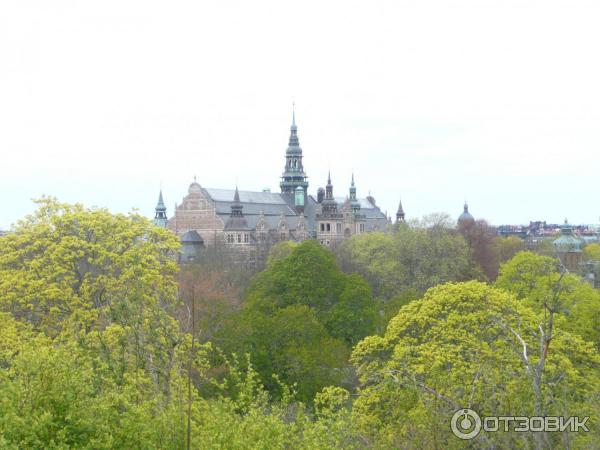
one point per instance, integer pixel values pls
(248, 221)
(569, 248)
(465, 220)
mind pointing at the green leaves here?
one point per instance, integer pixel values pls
(462, 345)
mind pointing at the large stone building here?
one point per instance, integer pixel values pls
(249, 220)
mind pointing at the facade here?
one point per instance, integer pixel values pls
(249, 221)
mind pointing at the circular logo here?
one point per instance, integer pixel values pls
(466, 424)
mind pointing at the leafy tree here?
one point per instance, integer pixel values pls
(469, 345)
(507, 247)
(309, 276)
(538, 281)
(354, 315)
(68, 266)
(375, 257)
(414, 257)
(591, 252)
(482, 240)
(299, 318)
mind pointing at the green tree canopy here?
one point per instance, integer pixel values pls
(412, 258)
(537, 281)
(465, 345)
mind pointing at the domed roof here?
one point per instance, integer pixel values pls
(568, 242)
(466, 218)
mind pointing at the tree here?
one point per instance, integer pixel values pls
(482, 240)
(415, 257)
(299, 318)
(541, 283)
(309, 276)
(85, 268)
(507, 247)
(468, 345)
(375, 257)
(293, 344)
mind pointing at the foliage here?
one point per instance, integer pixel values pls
(534, 279)
(460, 346)
(412, 258)
(482, 242)
(507, 247)
(68, 266)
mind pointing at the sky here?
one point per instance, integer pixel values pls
(434, 102)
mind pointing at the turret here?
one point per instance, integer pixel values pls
(400, 213)
(236, 220)
(160, 212)
(354, 203)
(329, 204)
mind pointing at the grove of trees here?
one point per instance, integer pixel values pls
(106, 343)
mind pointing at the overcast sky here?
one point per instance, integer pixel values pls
(434, 102)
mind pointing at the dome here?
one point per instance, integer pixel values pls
(568, 242)
(466, 219)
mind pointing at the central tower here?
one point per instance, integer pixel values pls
(293, 174)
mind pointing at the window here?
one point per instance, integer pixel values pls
(239, 238)
(245, 238)
(338, 227)
(328, 227)
(229, 238)
(322, 228)
(362, 227)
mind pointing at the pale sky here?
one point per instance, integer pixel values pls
(434, 102)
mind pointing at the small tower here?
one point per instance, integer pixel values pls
(354, 203)
(293, 174)
(160, 212)
(400, 213)
(329, 205)
(237, 222)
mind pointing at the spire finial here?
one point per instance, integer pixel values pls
(329, 177)
(352, 183)
(236, 196)
(293, 113)
(194, 178)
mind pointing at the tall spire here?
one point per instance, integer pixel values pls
(400, 212)
(353, 200)
(160, 212)
(293, 174)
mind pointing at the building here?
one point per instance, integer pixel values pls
(249, 221)
(569, 248)
(465, 220)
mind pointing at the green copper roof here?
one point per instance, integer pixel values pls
(568, 242)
